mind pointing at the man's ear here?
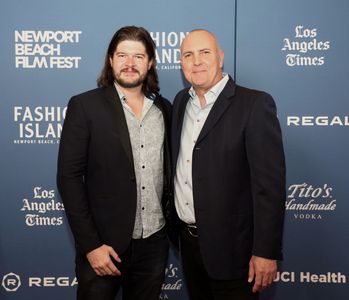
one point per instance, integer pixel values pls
(221, 58)
(150, 64)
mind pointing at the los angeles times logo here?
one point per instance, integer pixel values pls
(11, 282)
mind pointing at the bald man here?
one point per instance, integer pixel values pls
(229, 182)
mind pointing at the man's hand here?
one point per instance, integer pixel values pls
(263, 271)
(101, 263)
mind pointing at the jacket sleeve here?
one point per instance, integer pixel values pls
(266, 160)
(71, 171)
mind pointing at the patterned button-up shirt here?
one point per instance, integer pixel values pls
(147, 141)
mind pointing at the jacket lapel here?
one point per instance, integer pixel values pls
(119, 121)
(219, 107)
(178, 125)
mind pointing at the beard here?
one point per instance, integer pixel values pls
(130, 84)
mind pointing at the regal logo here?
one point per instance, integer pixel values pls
(11, 282)
(333, 121)
(52, 281)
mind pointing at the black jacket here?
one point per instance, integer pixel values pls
(238, 173)
(95, 176)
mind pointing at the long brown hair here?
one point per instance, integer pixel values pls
(133, 33)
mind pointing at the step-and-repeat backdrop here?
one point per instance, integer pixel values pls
(296, 50)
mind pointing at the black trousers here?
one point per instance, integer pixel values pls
(200, 285)
(142, 272)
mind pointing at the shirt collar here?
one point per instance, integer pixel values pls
(120, 93)
(214, 92)
(149, 96)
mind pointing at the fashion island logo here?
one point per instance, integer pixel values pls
(173, 283)
(305, 49)
(168, 49)
(307, 202)
(44, 49)
(42, 209)
(39, 124)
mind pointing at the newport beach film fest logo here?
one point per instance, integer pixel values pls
(43, 49)
(305, 49)
(38, 124)
(307, 202)
(168, 49)
(42, 209)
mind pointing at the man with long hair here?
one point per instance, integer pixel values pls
(113, 174)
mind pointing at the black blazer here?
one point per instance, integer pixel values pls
(95, 176)
(238, 172)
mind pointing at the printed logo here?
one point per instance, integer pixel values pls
(318, 121)
(168, 49)
(39, 124)
(173, 282)
(310, 277)
(42, 209)
(305, 49)
(307, 202)
(11, 282)
(52, 281)
(45, 49)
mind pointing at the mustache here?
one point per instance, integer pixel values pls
(129, 69)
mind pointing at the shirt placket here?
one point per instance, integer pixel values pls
(198, 122)
(143, 183)
(196, 128)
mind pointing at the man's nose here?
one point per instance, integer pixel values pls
(197, 59)
(130, 61)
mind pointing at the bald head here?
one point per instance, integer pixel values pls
(201, 60)
(200, 33)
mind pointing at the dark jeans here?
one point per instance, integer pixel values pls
(142, 272)
(200, 285)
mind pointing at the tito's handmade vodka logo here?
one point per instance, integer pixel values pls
(173, 283)
(308, 202)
